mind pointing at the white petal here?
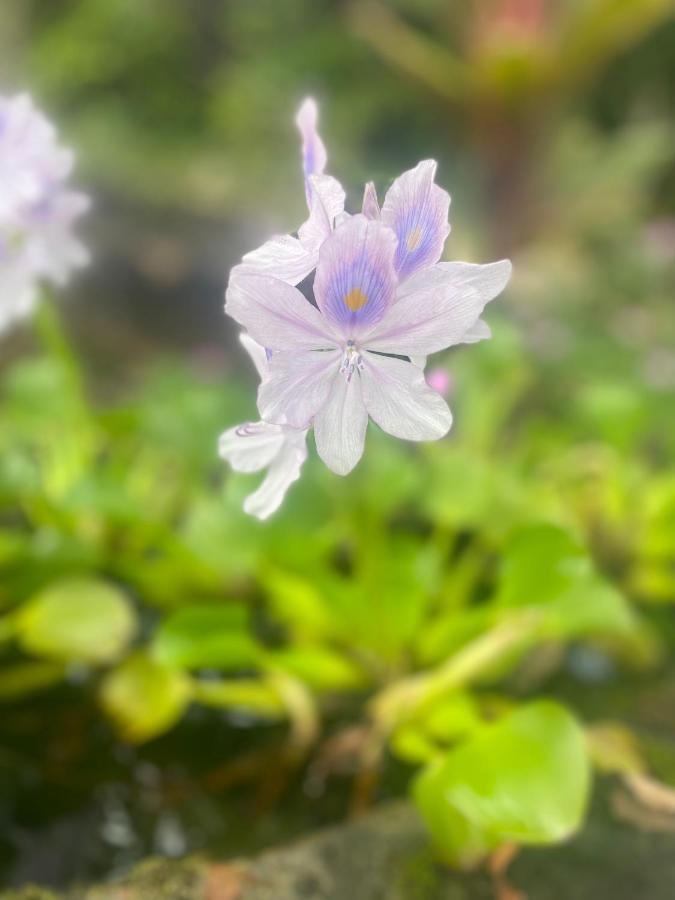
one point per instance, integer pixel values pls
(326, 205)
(489, 279)
(282, 257)
(400, 401)
(436, 308)
(284, 470)
(340, 426)
(480, 331)
(298, 385)
(256, 352)
(274, 313)
(251, 446)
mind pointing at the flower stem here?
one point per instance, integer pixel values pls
(404, 698)
(57, 346)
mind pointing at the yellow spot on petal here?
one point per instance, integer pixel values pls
(355, 299)
(414, 239)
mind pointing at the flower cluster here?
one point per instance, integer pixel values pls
(381, 303)
(37, 210)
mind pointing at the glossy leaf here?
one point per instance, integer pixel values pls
(206, 636)
(83, 620)
(144, 698)
(523, 780)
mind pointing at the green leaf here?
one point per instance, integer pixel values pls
(448, 632)
(144, 698)
(320, 667)
(206, 636)
(81, 619)
(540, 561)
(413, 745)
(298, 603)
(462, 488)
(590, 607)
(547, 568)
(452, 718)
(523, 780)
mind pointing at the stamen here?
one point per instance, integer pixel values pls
(351, 361)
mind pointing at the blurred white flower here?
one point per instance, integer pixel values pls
(37, 209)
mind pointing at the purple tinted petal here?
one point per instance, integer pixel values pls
(340, 426)
(251, 446)
(258, 354)
(274, 313)
(370, 207)
(438, 307)
(355, 279)
(283, 471)
(327, 203)
(283, 257)
(298, 386)
(313, 149)
(417, 210)
(399, 400)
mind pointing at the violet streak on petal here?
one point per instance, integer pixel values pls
(289, 258)
(417, 210)
(355, 279)
(313, 150)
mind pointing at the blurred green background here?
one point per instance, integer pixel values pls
(168, 666)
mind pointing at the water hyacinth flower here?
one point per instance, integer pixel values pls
(351, 358)
(382, 302)
(255, 446)
(37, 209)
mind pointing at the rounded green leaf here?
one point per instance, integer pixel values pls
(206, 636)
(523, 780)
(546, 567)
(591, 607)
(83, 620)
(144, 698)
(540, 561)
